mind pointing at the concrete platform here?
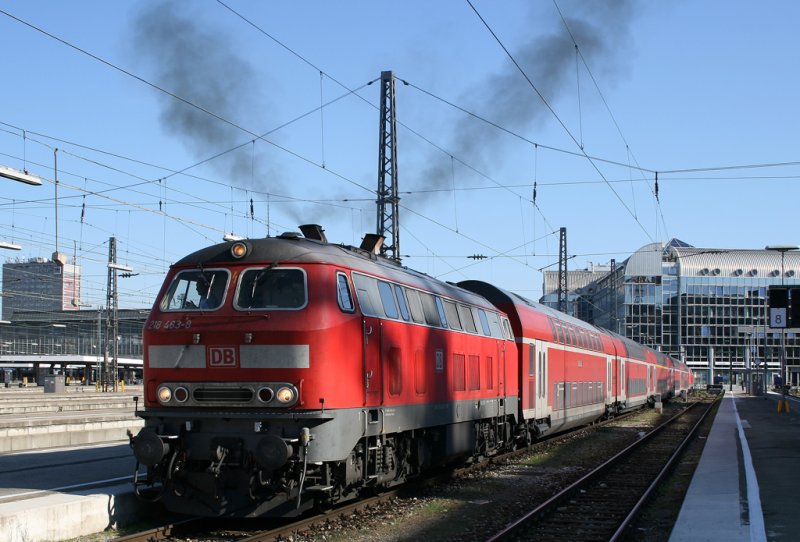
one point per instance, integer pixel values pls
(62, 516)
(64, 493)
(33, 420)
(746, 485)
(42, 498)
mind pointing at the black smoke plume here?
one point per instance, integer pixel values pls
(203, 67)
(601, 30)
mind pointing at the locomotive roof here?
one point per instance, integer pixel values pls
(294, 248)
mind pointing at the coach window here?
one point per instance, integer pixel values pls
(572, 336)
(415, 305)
(271, 288)
(387, 299)
(452, 315)
(531, 359)
(343, 293)
(401, 301)
(559, 337)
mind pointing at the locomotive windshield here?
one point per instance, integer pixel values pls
(271, 288)
(196, 290)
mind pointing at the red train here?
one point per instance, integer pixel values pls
(288, 372)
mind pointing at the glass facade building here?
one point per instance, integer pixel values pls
(706, 306)
(40, 285)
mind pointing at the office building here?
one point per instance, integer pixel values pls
(38, 284)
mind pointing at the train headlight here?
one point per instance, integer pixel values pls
(239, 250)
(164, 394)
(181, 394)
(265, 395)
(285, 395)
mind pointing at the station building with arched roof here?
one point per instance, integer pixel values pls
(707, 306)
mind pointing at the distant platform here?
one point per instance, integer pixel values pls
(745, 485)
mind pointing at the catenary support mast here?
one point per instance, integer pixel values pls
(388, 201)
(562, 270)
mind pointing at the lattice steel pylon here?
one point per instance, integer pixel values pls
(614, 304)
(562, 270)
(110, 369)
(388, 201)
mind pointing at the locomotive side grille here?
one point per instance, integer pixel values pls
(223, 395)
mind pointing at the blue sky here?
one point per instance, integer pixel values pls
(709, 87)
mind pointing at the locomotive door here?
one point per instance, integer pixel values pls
(372, 365)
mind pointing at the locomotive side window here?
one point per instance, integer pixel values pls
(415, 304)
(387, 298)
(484, 322)
(507, 330)
(430, 310)
(368, 297)
(466, 317)
(196, 290)
(343, 293)
(440, 310)
(494, 325)
(272, 288)
(401, 300)
(452, 315)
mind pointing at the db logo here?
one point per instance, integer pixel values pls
(221, 356)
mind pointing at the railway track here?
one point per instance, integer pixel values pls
(218, 529)
(604, 502)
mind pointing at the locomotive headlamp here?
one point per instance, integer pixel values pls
(239, 250)
(265, 395)
(164, 394)
(285, 395)
(181, 394)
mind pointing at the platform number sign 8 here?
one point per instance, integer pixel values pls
(777, 318)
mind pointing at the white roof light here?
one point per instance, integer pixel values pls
(19, 176)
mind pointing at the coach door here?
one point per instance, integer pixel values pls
(529, 379)
(542, 386)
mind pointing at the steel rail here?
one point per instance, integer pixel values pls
(531, 517)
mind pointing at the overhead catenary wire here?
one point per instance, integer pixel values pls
(556, 116)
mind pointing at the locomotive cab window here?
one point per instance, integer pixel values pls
(271, 288)
(196, 290)
(343, 293)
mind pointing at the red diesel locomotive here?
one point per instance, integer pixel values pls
(287, 372)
